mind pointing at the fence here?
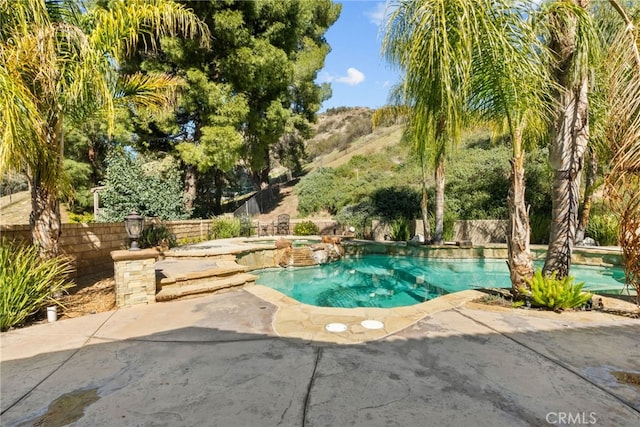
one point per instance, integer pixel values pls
(260, 202)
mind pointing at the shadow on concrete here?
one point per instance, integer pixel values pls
(450, 368)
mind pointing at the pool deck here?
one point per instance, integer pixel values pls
(249, 357)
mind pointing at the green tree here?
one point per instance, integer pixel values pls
(430, 41)
(273, 57)
(153, 188)
(509, 88)
(251, 95)
(59, 61)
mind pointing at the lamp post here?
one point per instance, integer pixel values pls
(133, 223)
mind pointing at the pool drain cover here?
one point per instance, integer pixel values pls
(372, 324)
(336, 327)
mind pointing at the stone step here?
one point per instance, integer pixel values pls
(302, 257)
(203, 285)
(169, 272)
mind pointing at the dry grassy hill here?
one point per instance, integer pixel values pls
(16, 208)
(340, 134)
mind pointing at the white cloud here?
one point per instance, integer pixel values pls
(377, 14)
(352, 78)
(381, 12)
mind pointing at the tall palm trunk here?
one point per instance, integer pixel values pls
(424, 202)
(569, 137)
(589, 191)
(439, 175)
(520, 261)
(45, 219)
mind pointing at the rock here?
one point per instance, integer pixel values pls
(283, 243)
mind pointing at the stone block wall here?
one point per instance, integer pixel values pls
(89, 245)
(481, 231)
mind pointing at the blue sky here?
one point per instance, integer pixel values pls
(358, 74)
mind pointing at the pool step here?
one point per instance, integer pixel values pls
(180, 278)
(302, 257)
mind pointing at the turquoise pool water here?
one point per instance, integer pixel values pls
(384, 281)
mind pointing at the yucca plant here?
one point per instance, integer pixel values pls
(28, 283)
(555, 294)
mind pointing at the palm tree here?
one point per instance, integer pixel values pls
(466, 58)
(510, 89)
(59, 62)
(431, 42)
(572, 43)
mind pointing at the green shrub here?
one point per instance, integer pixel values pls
(306, 228)
(190, 240)
(153, 188)
(400, 230)
(224, 228)
(604, 229)
(83, 218)
(540, 225)
(556, 294)
(27, 283)
(156, 235)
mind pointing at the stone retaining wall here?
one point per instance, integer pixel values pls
(90, 245)
(481, 231)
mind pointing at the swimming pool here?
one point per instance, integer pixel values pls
(387, 281)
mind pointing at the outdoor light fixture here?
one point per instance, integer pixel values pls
(133, 223)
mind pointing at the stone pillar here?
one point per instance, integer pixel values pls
(135, 276)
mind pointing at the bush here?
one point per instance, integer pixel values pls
(604, 229)
(555, 294)
(156, 235)
(224, 228)
(306, 228)
(400, 230)
(151, 188)
(27, 283)
(84, 218)
(540, 227)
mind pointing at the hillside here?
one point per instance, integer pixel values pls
(339, 135)
(16, 208)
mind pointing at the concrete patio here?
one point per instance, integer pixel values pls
(244, 358)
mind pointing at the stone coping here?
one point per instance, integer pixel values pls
(294, 319)
(128, 255)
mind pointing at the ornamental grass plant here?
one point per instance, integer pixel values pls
(28, 283)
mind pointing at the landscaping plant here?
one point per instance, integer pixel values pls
(224, 228)
(28, 283)
(157, 235)
(555, 294)
(400, 230)
(306, 228)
